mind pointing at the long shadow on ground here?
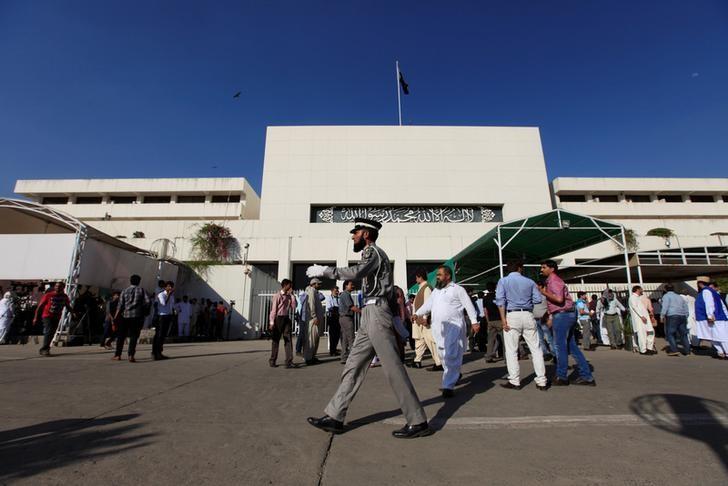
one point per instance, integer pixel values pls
(35, 449)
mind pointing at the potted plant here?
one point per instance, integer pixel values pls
(213, 244)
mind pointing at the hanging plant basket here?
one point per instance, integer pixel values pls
(661, 232)
(213, 244)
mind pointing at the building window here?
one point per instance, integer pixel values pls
(725, 197)
(55, 200)
(233, 198)
(572, 198)
(88, 200)
(607, 198)
(671, 198)
(191, 199)
(123, 199)
(637, 198)
(702, 198)
(157, 199)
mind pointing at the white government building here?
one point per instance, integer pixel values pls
(437, 189)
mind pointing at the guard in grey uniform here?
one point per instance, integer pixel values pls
(375, 337)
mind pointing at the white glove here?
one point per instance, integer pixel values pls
(315, 271)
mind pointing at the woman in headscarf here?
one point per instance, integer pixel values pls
(6, 316)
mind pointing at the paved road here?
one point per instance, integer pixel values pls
(217, 414)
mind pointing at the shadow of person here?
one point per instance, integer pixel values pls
(696, 418)
(34, 449)
(469, 386)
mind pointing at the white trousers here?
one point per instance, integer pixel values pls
(523, 324)
(450, 340)
(645, 336)
(4, 329)
(183, 328)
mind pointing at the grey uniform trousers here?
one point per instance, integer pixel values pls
(376, 337)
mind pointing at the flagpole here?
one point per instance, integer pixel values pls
(399, 100)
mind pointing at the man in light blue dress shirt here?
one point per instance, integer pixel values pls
(515, 296)
(674, 314)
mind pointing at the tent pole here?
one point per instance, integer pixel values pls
(500, 254)
(626, 261)
(639, 269)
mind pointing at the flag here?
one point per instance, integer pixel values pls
(405, 86)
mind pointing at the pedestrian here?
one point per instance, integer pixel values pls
(711, 317)
(611, 309)
(515, 296)
(183, 309)
(641, 322)
(315, 313)
(7, 315)
(221, 312)
(584, 320)
(545, 333)
(375, 337)
(50, 309)
(399, 313)
(495, 325)
(332, 320)
(674, 312)
(302, 321)
(194, 314)
(446, 307)
(109, 331)
(595, 328)
(563, 321)
(347, 309)
(165, 310)
(279, 323)
(133, 307)
(421, 326)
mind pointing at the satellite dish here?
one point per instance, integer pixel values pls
(163, 248)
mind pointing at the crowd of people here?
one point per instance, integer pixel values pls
(29, 311)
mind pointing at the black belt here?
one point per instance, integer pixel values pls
(520, 310)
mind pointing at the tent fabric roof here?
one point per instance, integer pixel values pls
(532, 239)
(64, 221)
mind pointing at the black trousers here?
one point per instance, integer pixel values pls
(160, 333)
(334, 331)
(281, 329)
(128, 327)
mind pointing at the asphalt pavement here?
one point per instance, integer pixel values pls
(216, 413)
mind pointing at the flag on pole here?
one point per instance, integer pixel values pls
(403, 84)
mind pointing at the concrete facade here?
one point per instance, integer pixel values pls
(311, 171)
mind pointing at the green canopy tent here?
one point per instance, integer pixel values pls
(533, 240)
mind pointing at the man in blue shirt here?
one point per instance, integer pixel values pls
(674, 314)
(584, 319)
(515, 296)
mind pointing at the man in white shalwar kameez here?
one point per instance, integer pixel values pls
(446, 306)
(712, 317)
(692, 324)
(641, 323)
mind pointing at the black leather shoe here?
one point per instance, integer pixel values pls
(583, 382)
(448, 393)
(416, 364)
(490, 360)
(310, 362)
(412, 431)
(434, 368)
(560, 382)
(510, 386)
(273, 365)
(327, 423)
(289, 366)
(542, 387)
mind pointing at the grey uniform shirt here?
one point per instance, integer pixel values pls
(345, 304)
(374, 271)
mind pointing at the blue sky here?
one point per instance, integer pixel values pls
(135, 89)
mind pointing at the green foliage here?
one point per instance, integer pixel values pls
(661, 232)
(630, 238)
(213, 244)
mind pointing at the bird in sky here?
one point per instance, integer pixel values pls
(237, 95)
